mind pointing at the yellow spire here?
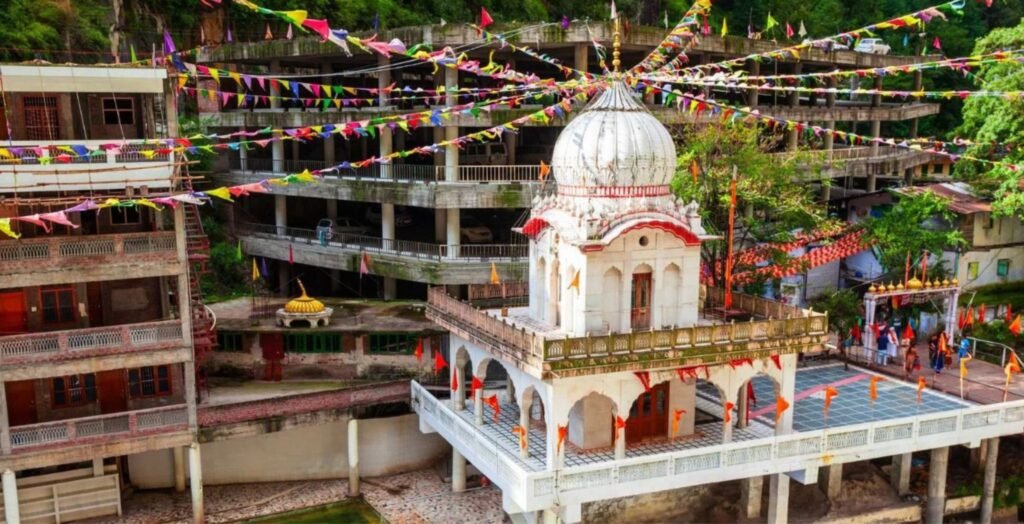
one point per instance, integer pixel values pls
(304, 304)
(616, 44)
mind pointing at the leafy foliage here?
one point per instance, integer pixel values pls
(915, 224)
(842, 306)
(227, 277)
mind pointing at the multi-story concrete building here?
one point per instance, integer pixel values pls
(445, 220)
(96, 315)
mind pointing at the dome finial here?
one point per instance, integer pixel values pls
(616, 44)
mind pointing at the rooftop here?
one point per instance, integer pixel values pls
(41, 78)
(350, 316)
(961, 197)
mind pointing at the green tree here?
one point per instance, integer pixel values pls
(913, 225)
(774, 197)
(843, 308)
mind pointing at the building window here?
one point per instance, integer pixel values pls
(229, 341)
(972, 270)
(73, 390)
(1003, 267)
(125, 215)
(118, 111)
(312, 343)
(58, 304)
(149, 381)
(41, 118)
(392, 343)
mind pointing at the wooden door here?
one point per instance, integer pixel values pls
(21, 402)
(641, 301)
(94, 295)
(112, 393)
(648, 417)
(13, 318)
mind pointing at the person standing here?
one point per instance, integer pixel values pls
(883, 345)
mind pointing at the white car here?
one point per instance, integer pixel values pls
(873, 46)
(472, 231)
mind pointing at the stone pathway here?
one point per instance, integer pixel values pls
(419, 497)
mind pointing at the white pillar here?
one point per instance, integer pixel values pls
(353, 457)
(750, 497)
(280, 213)
(899, 475)
(478, 406)
(524, 422)
(988, 488)
(454, 227)
(195, 468)
(833, 480)
(778, 499)
(179, 468)
(935, 507)
(387, 224)
(620, 443)
(787, 388)
(459, 395)
(11, 510)
(5, 426)
(458, 471)
(277, 154)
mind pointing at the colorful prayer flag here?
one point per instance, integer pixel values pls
(725, 27)
(485, 18)
(770, 22)
(789, 30)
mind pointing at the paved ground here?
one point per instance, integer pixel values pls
(984, 384)
(420, 497)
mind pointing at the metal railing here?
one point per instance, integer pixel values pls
(71, 431)
(406, 248)
(452, 313)
(54, 252)
(56, 153)
(399, 172)
(71, 343)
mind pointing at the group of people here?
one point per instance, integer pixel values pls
(890, 345)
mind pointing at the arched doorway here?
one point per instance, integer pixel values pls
(649, 414)
(591, 422)
(640, 300)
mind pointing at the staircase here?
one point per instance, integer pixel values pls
(204, 338)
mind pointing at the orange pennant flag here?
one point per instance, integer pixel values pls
(419, 350)
(1015, 326)
(677, 415)
(781, 405)
(575, 282)
(563, 432)
(873, 388)
(495, 279)
(921, 384)
(521, 431)
(830, 393)
(728, 412)
(1012, 368)
(493, 402)
(620, 423)
(544, 170)
(694, 170)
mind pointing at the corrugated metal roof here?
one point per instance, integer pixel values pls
(962, 199)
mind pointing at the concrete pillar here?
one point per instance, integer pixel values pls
(977, 457)
(179, 468)
(451, 153)
(876, 131)
(936, 505)
(742, 405)
(750, 497)
(453, 224)
(387, 224)
(329, 158)
(832, 480)
(524, 422)
(12, 513)
(458, 471)
(332, 209)
(755, 70)
(460, 393)
(913, 122)
(511, 141)
(277, 163)
(5, 425)
(243, 155)
(988, 488)
(899, 475)
(195, 469)
(295, 154)
(280, 213)
(620, 443)
(97, 467)
(794, 96)
(478, 406)
(390, 288)
(353, 457)
(581, 56)
(440, 226)
(778, 499)
(872, 184)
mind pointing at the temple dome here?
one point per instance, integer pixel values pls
(304, 304)
(615, 142)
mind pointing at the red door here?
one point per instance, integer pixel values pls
(273, 354)
(21, 402)
(648, 418)
(641, 311)
(112, 394)
(12, 313)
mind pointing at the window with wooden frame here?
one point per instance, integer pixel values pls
(58, 304)
(118, 111)
(392, 343)
(149, 381)
(41, 122)
(73, 390)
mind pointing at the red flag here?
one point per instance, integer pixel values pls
(1015, 326)
(364, 264)
(728, 412)
(645, 379)
(873, 388)
(439, 362)
(777, 361)
(969, 318)
(981, 314)
(563, 432)
(493, 402)
(1009, 313)
(908, 332)
(291, 255)
(830, 393)
(474, 385)
(485, 18)
(620, 423)
(936, 44)
(789, 31)
(455, 382)
(544, 170)
(419, 350)
(780, 406)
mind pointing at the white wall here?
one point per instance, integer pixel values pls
(386, 446)
(987, 263)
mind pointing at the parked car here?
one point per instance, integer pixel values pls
(350, 226)
(472, 231)
(874, 46)
(402, 217)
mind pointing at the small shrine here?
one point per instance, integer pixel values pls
(304, 308)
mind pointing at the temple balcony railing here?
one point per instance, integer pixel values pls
(80, 258)
(393, 172)
(773, 328)
(99, 428)
(48, 166)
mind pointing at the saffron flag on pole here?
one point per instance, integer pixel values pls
(419, 350)
(830, 393)
(521, 432)
(781, 405)
(575, 282)
(493, 402)
(495, 279)
(455, 381)
(727, 416)
(563, 432)
(873, 388)
(1015, 326)
(921, 384)
(439, 362)
(544, 170)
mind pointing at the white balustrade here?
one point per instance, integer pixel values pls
(76, 341)
(85, 428)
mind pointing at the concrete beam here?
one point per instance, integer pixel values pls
(92, 364)
(935, 506)
(67, 454)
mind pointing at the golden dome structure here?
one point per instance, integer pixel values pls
(872, 289)
(914, 283)
(890, 287)
(304, 308)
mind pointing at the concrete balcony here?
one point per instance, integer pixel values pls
(532, 485)
(51, 169)
(404, 259)
(74, 351)
(85, 438)
(860, 162)
(773, 328)
(65, 259)
(512, 186)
